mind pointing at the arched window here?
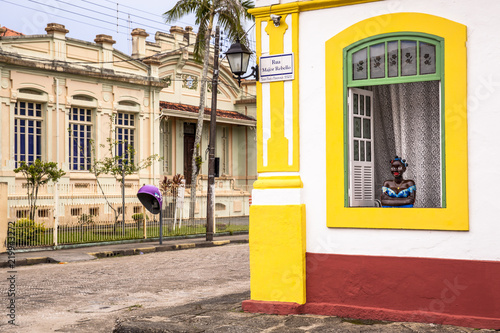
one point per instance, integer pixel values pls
(30, 91)
(28, 119)
(29, 128)
(395, 58)
(393, 84)
(81, 131)
(125, 129)
(83, 98)
(127, 103)
(446, 88)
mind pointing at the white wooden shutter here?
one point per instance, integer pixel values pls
(361, 174)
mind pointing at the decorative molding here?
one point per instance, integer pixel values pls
(5, 83)
(189, 81)
(278, 182)
(295, 7)
(168, 80)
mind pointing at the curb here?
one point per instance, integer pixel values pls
(129, 252)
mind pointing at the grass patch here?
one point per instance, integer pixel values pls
(110, 232)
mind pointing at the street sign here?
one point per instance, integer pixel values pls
(278, 67)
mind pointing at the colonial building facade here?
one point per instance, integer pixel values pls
(62, 99)
(371, 80)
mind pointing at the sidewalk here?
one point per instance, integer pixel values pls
(224, 314)
(123, 249)
(218, 314)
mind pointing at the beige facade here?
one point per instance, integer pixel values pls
(59, 94)
(179, 102)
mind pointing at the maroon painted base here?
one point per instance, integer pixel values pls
(441, 291)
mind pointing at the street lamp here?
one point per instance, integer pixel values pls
(238, 57)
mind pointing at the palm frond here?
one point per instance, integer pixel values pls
(199, 47)
(183, 8)
(229, 14)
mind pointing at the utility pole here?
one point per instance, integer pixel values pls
(123, 198)
(211, 145)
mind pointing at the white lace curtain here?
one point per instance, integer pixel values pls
(407, 124)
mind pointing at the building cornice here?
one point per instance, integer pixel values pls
(65, 67)
(302, 6)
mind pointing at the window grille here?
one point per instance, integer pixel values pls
(80, 138)
(125, 135)
(22, 213)
(27, 132)
(43, 212)
(94, 211)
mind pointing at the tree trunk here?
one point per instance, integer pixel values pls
(201, 112)
(35, 196)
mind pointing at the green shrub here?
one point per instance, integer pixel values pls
(27, 231)
(86, 219)
(139, 217)
(221, 226)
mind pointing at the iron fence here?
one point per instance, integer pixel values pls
(82, 215)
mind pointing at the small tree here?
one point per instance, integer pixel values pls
(168, 186)
(117, 165)
(37, 174)
(229, 14)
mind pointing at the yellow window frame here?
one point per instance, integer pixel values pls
(455, 216)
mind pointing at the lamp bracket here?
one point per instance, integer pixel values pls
(255, 73)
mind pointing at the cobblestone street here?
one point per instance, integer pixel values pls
(90, 295)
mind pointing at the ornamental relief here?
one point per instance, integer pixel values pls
(189, 81)
(168, 80)
(209, 88)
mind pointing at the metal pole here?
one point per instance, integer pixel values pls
(211, 145)
(144, 222)
(123, 199)
(56, 186)
(161, 228)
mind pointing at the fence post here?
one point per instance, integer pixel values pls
(144, 222)
(56, 213)
(3, 216)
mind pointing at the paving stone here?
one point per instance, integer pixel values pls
(195, 290)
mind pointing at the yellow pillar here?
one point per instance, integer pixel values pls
(277, 217)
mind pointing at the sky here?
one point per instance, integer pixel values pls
(87, 18)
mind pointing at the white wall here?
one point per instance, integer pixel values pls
(483, 53)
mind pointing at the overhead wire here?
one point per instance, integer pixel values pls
(31, 8)
(118, 25)
(86, 16)
(143, 11)
(71, 12)
(162, 29)
(108, 15)
(225, 40)
(132, 14)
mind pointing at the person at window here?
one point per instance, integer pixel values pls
(398, 192)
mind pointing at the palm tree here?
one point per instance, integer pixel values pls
(229, 15)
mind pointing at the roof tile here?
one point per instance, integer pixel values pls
(194, 109)
(10, 32)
